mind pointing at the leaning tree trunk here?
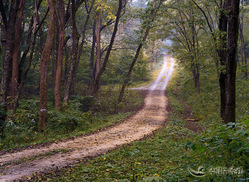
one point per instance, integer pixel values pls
(152, 17)
(103, 67)
(231, 64)
(80, 52)
(44, 65)
(61, 19)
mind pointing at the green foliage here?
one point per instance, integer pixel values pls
(87, 103)
(228, 145)
(170, 153)
(67, 121)
(119, 68)
(84, 115)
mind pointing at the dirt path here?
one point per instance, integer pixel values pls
(27, 162)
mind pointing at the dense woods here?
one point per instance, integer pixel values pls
(66, 42)
(63, 62)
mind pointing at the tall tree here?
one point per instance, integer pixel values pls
(98, 37)
(92, 57)
(226, 47)
(231, 63)
(16, 55)
(61, 22)
(121, 6)
(75, 44)
(242, 39)
(146, 33)
(186, 31)
(88, 9)
(44, 65)
(8, 15)
(34, 27)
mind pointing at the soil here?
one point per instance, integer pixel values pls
(151, 117)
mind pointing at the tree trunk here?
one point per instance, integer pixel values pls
(152, 55)
(44, 65)
(242, 42)
(98, 37)
(8, 37)
(97, 79)
(196, 75)
(246, 73)
(152, 16)
(222, 54)
(75, 36)
(231, 64)
(32, 45)
(91, 83)
(41, 36)
(82, 43)
(16, 54)
(61, 19)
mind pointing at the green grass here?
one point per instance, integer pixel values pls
(23, 129)
(168, 154)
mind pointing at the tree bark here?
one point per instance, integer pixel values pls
(82, 43)
(8, 37)
(61, 19)
(91, 83)
(196, 75)
(30, 44)
(16, 54)
(152, 55)
(98, 37)
(231, 64)
(75, 36)
(242, 42)
(222, 55)
(44, 65)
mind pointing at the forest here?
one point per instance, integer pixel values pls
(125, 90)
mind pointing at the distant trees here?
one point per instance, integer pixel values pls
(186, 30)
(153, 13)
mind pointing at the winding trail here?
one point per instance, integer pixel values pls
(14, 166)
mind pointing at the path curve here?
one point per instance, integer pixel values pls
(14, 166)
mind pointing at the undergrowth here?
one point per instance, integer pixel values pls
(221, 153)
(84, 115)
